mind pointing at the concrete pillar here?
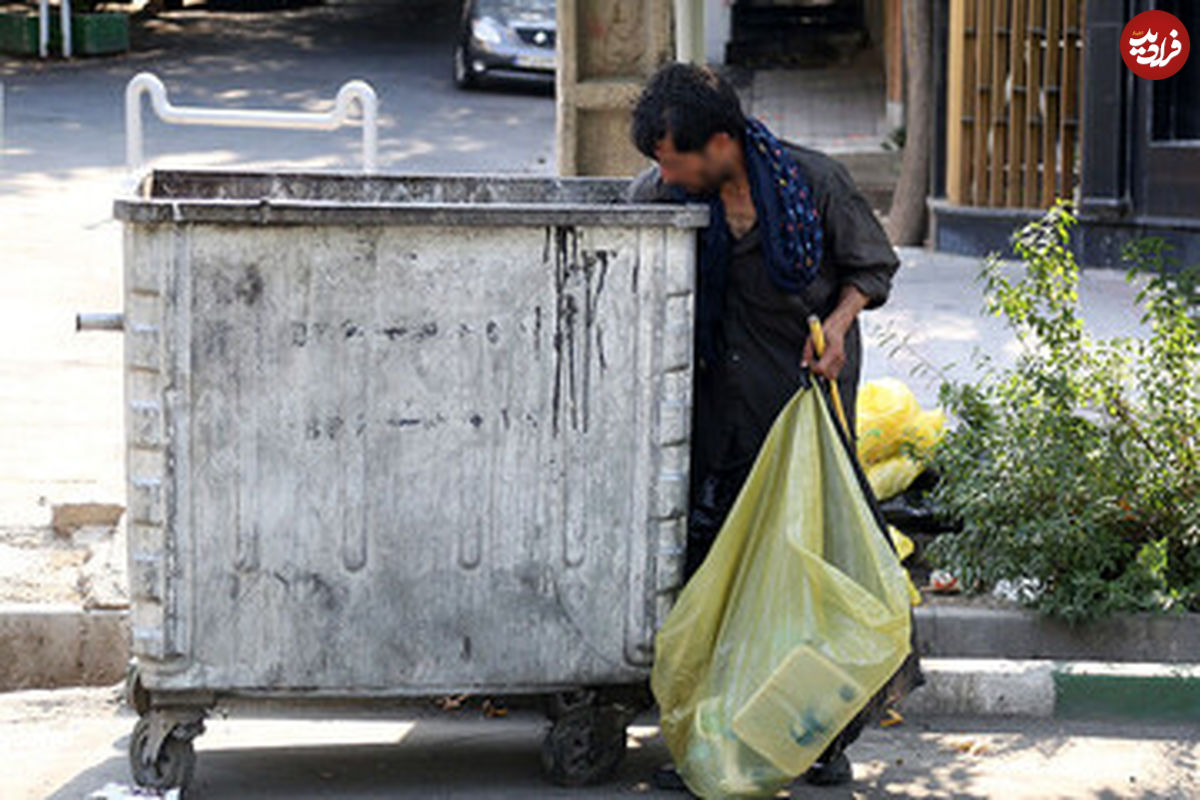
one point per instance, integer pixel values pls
(891, 40)
(689, 31)
(606, 50)
(718, 27)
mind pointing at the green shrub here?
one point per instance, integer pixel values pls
(1074, 471)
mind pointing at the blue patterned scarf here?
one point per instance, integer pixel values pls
(788, 220)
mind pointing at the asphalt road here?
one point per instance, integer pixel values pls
(64, 119)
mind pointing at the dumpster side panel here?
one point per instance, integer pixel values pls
(158, 561)
(410, 458)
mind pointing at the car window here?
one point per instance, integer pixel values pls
(542, 10)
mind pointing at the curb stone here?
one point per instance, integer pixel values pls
(946, 630)
(1042, 688)
(47, 646)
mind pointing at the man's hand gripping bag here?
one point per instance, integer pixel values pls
(797, 621)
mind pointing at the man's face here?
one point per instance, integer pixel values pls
(699, 172)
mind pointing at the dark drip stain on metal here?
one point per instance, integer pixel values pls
(560, 269)
(600, 347)
(570, 309)
(537, 329)
(595, 270)
(580, 276)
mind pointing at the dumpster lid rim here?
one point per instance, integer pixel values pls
(146, 176)
(136, 203)
(266, 210)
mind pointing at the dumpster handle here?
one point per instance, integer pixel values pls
(149, 83)
(100, 321)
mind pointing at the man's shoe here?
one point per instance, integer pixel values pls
(834, 773)
(667, 779)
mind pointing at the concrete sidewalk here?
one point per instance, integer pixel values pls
(936, 310)
(72, 742)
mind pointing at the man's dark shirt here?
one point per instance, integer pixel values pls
(763, 329)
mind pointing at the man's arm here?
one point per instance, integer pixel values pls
(864, 262)
(835, 326)
(854, 238)
(647, 187)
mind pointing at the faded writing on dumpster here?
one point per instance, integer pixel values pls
(304, 333)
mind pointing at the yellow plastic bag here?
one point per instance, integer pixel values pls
(894, 435)
(904, 549)
(904, 545)
(796, 619)
(924, 430)
(892, 476)
(884, 408)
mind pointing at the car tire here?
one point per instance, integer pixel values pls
(463, 77)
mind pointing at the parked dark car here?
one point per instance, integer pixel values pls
(505, 38)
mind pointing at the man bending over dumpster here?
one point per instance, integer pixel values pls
(790, 235)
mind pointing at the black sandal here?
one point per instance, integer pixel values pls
(667, 779)
(836, 772)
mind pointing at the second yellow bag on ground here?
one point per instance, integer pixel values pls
(894, 435)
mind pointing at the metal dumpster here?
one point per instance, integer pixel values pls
(401, 437)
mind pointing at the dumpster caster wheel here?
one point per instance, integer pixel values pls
(584, 745)
(171, 763)
(136, 696)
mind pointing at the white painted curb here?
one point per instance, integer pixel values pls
(984, 686)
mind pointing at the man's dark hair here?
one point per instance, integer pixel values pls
(688, 102)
